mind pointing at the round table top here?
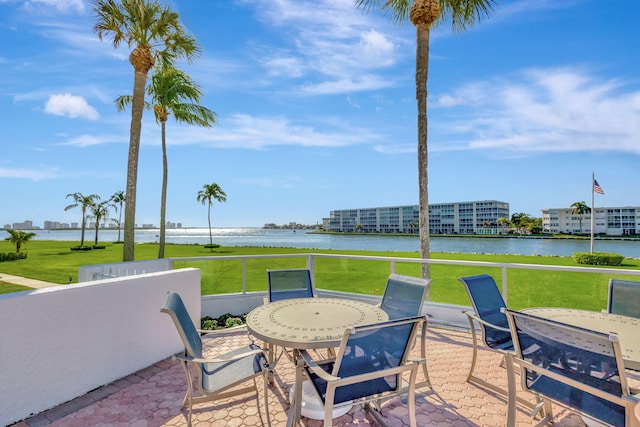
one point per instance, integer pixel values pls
(626, 328)
(306, 323)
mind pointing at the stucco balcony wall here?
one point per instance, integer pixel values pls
(61, 342)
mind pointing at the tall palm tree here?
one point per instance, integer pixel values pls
(84, 202)
(118, 199)
(154, 32)
(172, 91)
(209, 193)
(19, 237)
(423, 14)
(580, 208)
(99, 213)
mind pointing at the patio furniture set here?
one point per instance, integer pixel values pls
(572, 358)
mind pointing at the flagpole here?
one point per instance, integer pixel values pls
(593, 207)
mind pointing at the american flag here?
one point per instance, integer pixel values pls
(597, 188)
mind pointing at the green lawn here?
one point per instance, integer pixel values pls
(53, 261)
(6, 288)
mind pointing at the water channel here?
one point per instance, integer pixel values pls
(250, 236)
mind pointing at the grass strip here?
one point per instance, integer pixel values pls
(54, 261)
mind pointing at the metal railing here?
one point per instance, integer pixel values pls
(313, 258)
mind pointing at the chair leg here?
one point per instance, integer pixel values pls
(266, 396)
(188, 398)
(411, 397)
(423, 355)
(474, 338)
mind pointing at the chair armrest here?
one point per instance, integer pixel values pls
(221, 359)
(473, 316)
(312, 365)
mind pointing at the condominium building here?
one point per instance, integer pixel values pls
(444, 218)
(617, 221)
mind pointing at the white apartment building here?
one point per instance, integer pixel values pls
(444, 218)
(617, 221)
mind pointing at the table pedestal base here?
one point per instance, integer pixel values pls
(311, 404)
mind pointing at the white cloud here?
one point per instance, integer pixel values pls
(89, 140)
(71, 106)
(246, 131)
(547, 110)
(61, 5)
(333, 42)
(32, 174)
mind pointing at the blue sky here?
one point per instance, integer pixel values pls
(316, 111)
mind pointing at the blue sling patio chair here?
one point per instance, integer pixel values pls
(219, 377)
(287, 284)
(368, 367)
(290, 283)
(404, 297)
(624, 298)
(577, 368)
(488, 304)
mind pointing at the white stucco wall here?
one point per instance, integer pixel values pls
(59, 343)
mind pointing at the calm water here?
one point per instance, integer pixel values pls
(303, 239)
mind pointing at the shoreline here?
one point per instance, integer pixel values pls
(482, 236)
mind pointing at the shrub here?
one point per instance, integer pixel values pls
(12, 256)
(227, 320)
(233, 321)
(81, 248)
(598, 258)
(209, 324)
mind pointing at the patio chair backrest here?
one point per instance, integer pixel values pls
(404, 296)
(571, 365)
(624, 297)
(291, 283)
(373, 349)
(487, 303)
(176, 309)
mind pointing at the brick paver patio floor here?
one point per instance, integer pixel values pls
(153, 396)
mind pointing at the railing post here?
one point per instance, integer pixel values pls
(244, 275)
(311, 266)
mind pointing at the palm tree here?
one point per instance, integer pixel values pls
(84, 202)
(99, 213)
(172, 92)
(209, 192)
(502, 222)
(423, 14)
(118, 199)
(154, 32)
(580, 208)
(19, 237)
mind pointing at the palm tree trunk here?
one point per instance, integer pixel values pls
(119, 222)
(139, 83)
(97, 227)
(84, 224)
(422, 70)
(163, 199)
(209, 218)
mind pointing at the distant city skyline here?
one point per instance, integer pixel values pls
(55, 225)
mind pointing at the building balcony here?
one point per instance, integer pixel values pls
(99, 353)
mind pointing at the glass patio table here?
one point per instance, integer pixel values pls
(626, 328)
